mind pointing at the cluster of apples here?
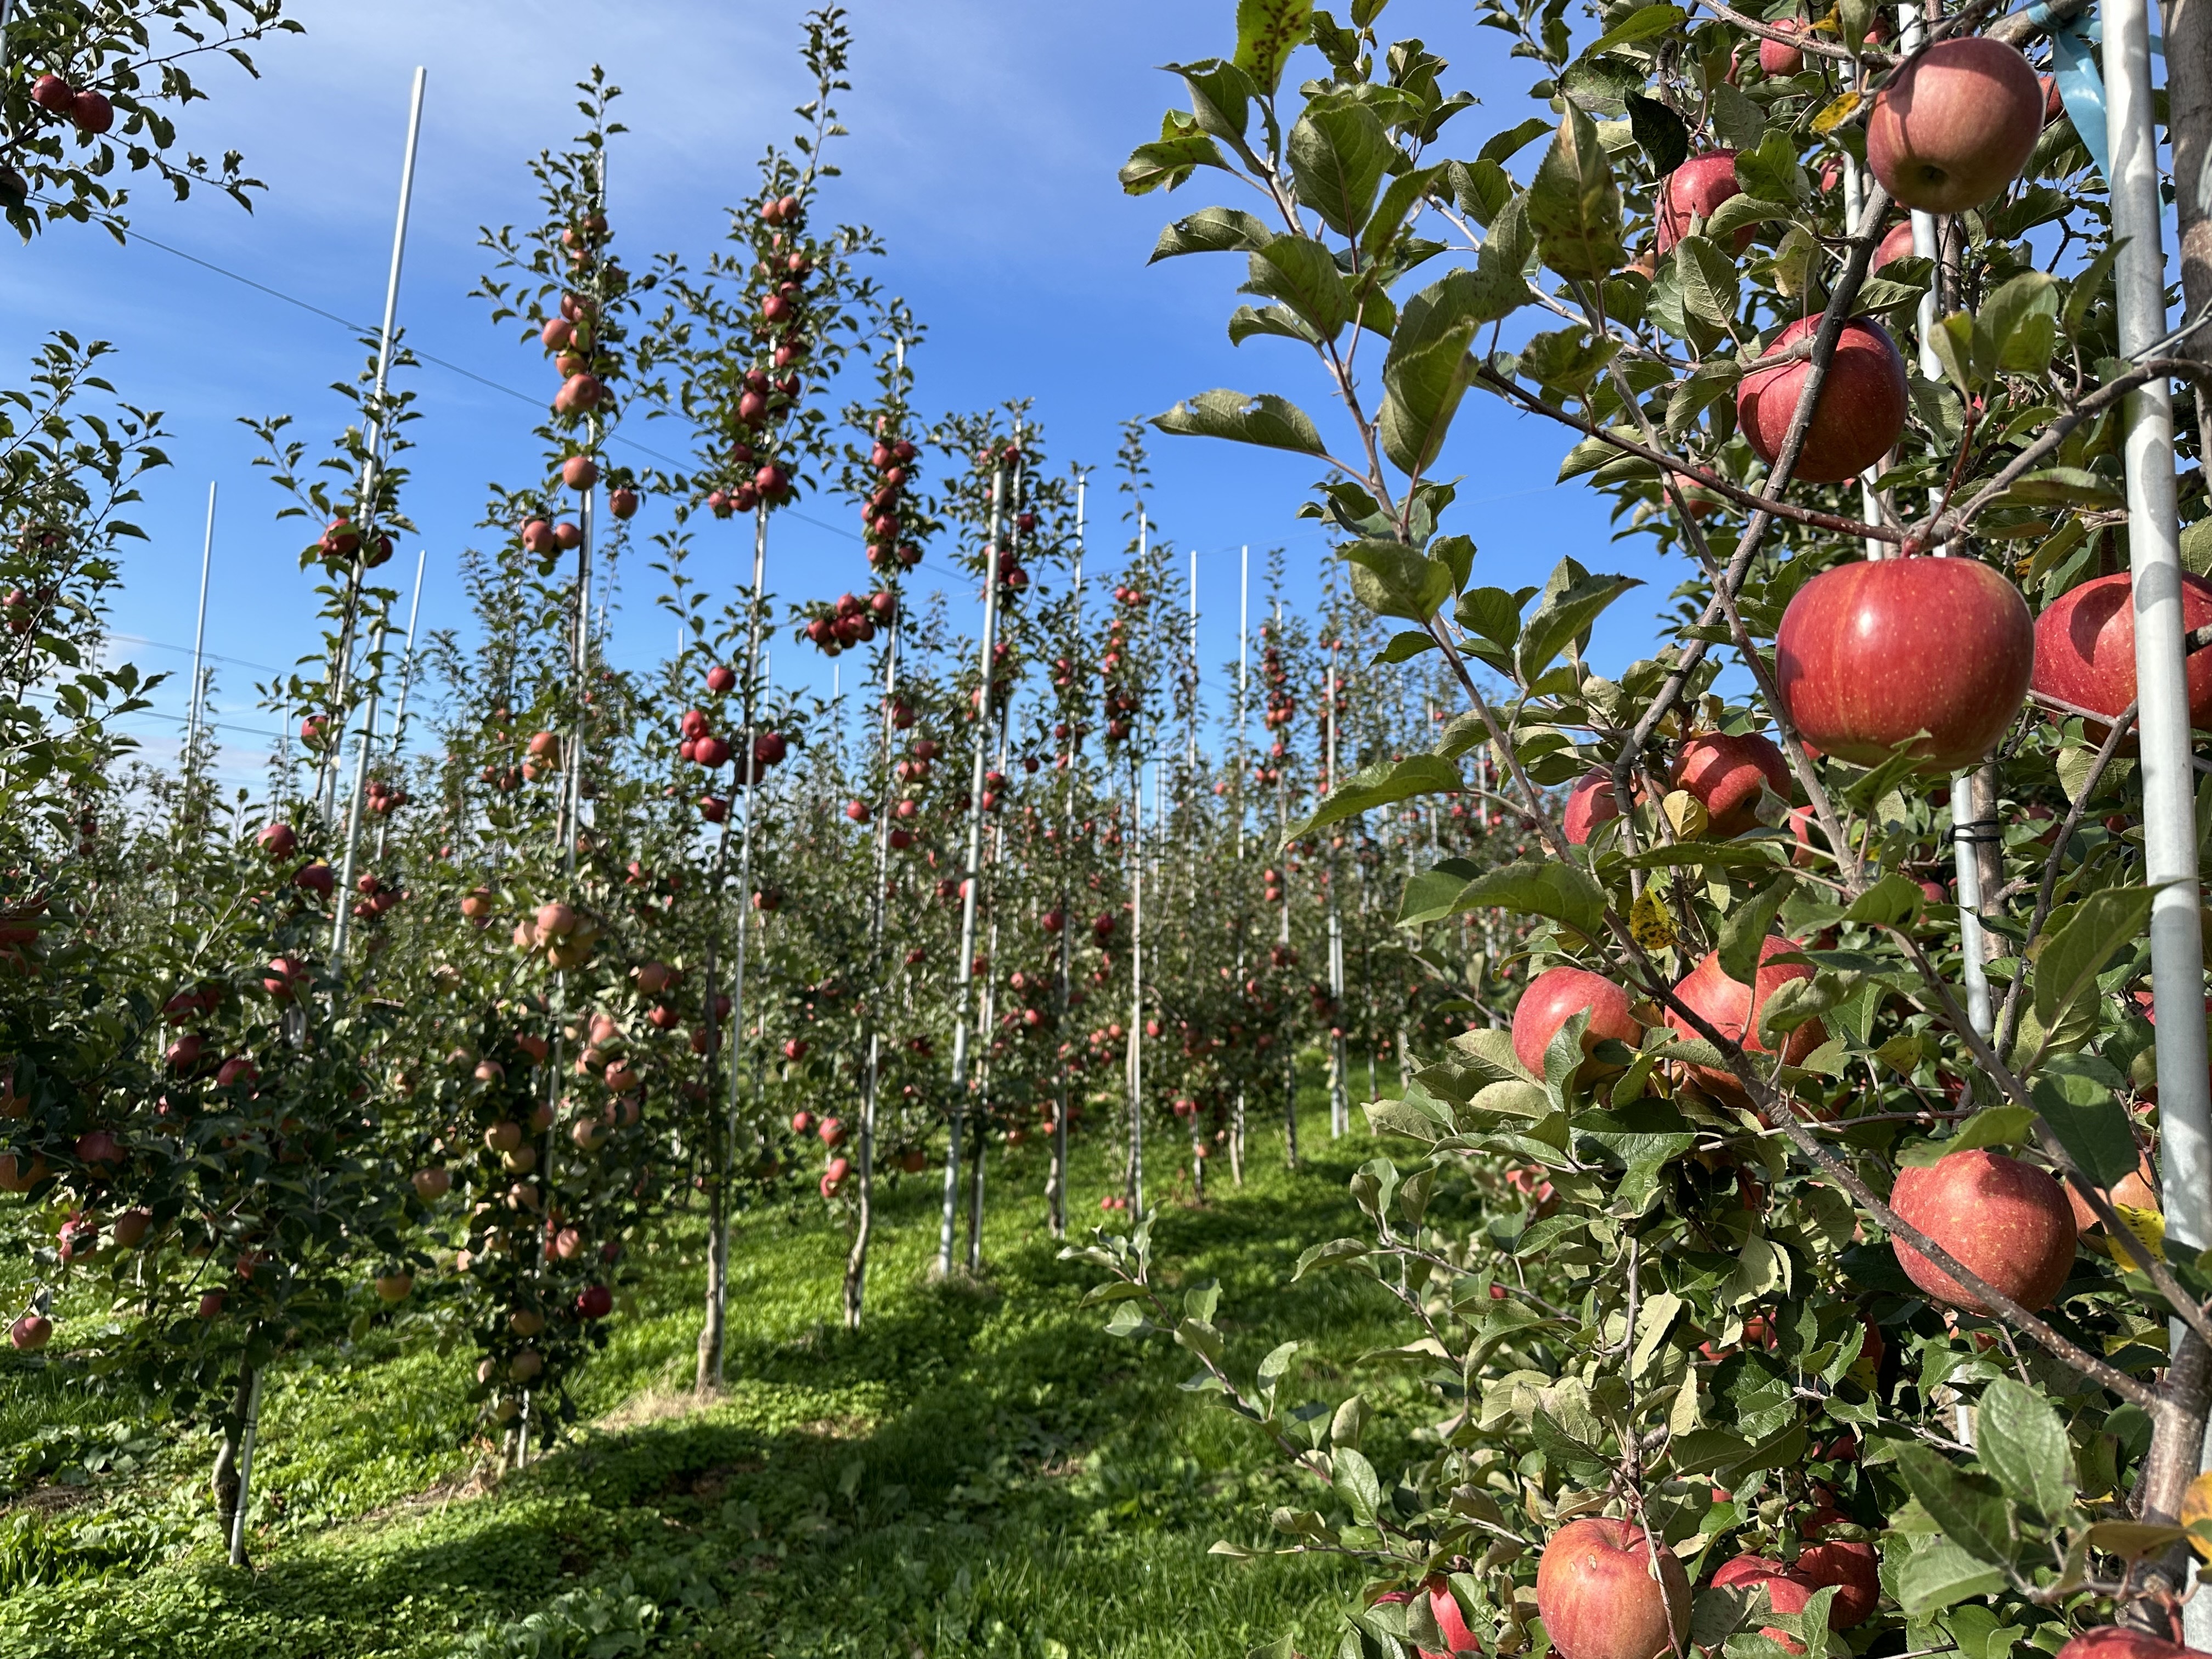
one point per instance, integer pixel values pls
(572, 337)
(769, 480)
(891, 460)
(88, 111)
(850, 620)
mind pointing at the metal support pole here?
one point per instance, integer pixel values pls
(340, 925)
(1056, 1202)
(971, 883)
(751, 772)
(327, 772)
(199, 629)
(2184, 1102)
(406, 683)
(246, 1436)
(1340, 1094)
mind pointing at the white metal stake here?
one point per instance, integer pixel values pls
(327, 771)
(406, 682)
(246, 1438)
(1340, 1099)
(199, 629)
(1236, 798)
(1190, 755)
(1059, 1206)
(749, 770)
(341, 926)
(1137, 987)
(2184, 1102)
(972, 883)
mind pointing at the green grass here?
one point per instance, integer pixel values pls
(980, 1470)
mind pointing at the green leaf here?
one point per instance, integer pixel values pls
(1354, 1477)
(1574, 205)
(1380, 785)
(1736, 119)
(1566, 616)
(2018, 1439)
(1708, 282)
(1279, 320)
(1211, 230)
(1639, 25)
(1426, 373)
(1770, 172)
(1406, 646)
(1748, 924)
(1660, 133)
(2021, 322)
(1998, 1126)
(1221, 97)
(1338, 154)
(1271, 422)
(1299, 272)
(1591, 453)
(1504, 146)
(1530, 887)
(1740, 209)
(1893, 899)
(2066, 972)
(2077, 1097)
(1402, 198)
(1168, 162)
(1941, 1576)
(1267, 33)
(1972, 1517)
(1393, 579)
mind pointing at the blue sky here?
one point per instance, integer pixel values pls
(985, 141)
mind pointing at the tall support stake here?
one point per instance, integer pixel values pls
(856, 1262)
(1056, 1194)
(1237, 801)
(341, 928)
(1340, 1094)
(199, 628)
(326, 768)
(2184, 1102)
(971, 883)
(712, 1345)
(406, 683)
(246, 1439)
(1136, 1051)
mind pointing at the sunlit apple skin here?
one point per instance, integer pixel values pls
(1693, 190)
(1557, 995)
(1898, 245)
(1786, 1590)
(1873, 651)
(1777, 58)
(1859, 413)
(1853, 1568)
(2007, 1221)
(1724, 773)
(2085, 647)
(1956, 126)
(2111, 1641)
(1732, 1008)
(1599, 1600)
(1590, 803)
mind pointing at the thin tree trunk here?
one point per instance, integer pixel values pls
(228, 1482)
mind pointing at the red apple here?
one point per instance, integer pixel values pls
(1554, 996)
(1693, 190)
(1875, 650)
(1732, 1008)
(2135, 1192)
(1599, 1600)
(1898, 245)
(622, 502)
(580, 472)
(1725, 775)
(53, 95)
(91, 112)
(1854, 1569)
(132, 1226)
(1590, 803)
(433, 1183)
(394, 1287)
(1774, 56)
(279, 841)
(2007, 1221)
(99, 1147)
(1786, 1590)
(578, 393)
(2085, 645)
(595, 1302)
(720, 677)
(1858, 417)
(31, 1333)
(2111, 1641)
(1444, 1607)
(1956, 126)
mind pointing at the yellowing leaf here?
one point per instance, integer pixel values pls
(1648, 924)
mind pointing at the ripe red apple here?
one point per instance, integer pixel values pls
(53, 95)
(1554, 996)
(1787, 1591)
(832, 1131)
(91, 112)
(2007, 1221)
(1725, 775)
(504, 1136)
(857, 810)
(1599, 1600)
(2085, 645)
(1858, 417)
(2113, 1642)
(720, 677)
(432, 1183)
(555, 920)
(1956, 126)
(1590, 803)
(279, 841)
(1693, 190)
(1732, 1008)
(580, 472)
(1898, 245)
(99, 1148)
(595, 1302)
(622, 502)
(132, 1226)
(1444, 1607)
(578, 393)
(1875, 650)
(1853, 1568)
(537, 535)
(31, 1333)
(713, 808)
(833, 1177)
(318, 879)
(239, 1068)
(1774, 56)
(2136, 1191)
